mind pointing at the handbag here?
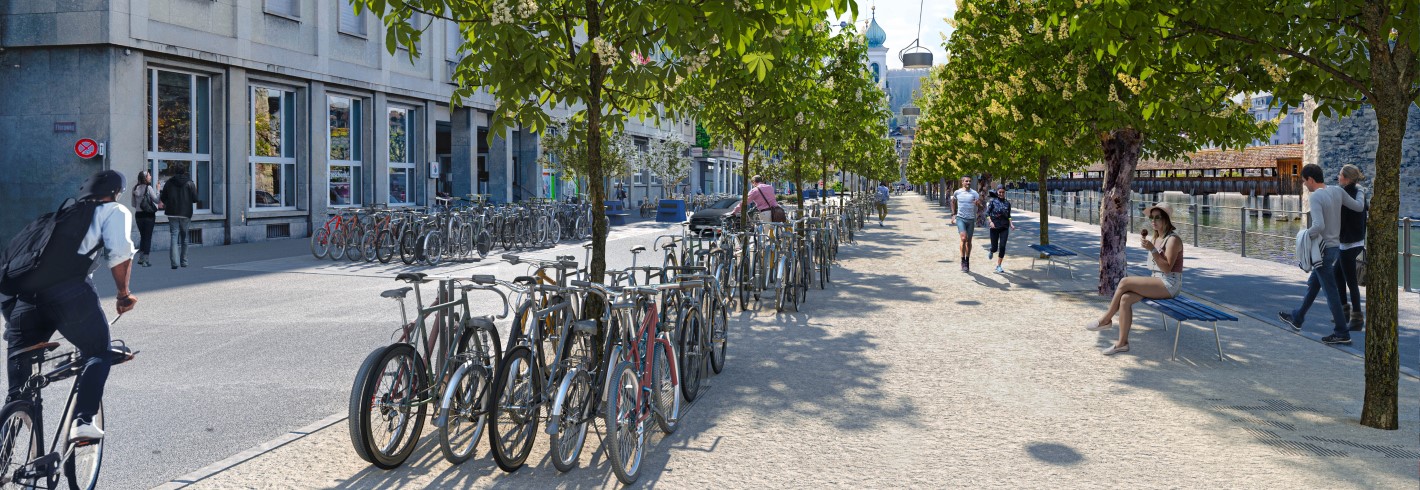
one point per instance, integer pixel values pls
(145, 202)
(777, 215)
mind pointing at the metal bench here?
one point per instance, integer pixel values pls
(1051, 252)
(1182, 309)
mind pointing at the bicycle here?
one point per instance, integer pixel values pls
(463, 412)
(23, 461)
(643, 367)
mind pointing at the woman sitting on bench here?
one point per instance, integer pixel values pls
(1166, 280)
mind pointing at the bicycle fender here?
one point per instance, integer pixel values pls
(448, 398)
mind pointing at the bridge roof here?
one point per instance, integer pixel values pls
(1250, 157)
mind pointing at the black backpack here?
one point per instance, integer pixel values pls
(45, 252)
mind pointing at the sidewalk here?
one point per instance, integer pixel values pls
(908, 373)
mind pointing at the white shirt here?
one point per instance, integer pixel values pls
(112, 223)
(966, 203)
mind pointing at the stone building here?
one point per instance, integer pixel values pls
(281, 111)
(1333, 142)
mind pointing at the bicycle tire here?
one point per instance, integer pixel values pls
(566, 444)
(408, 246)
(665, 385)
(339, 239)
(85, 458)
(18, 430)
(625, 436)
(719, 335)
(368, 242)
(433, 247)
(465, 420)
(320, 243)
(410, 380)
(385, 246)
(515, 402)
(691, 346)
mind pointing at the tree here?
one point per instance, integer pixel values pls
(564, 148)
(1346, 54)
(669, 160)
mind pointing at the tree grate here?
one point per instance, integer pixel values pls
(1257, 421)
(1396, 452)
(1295, 448)
(1262, 433)
(1274, 406)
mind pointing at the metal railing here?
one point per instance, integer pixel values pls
(1262, 232)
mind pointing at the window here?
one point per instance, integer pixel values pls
(415, 21)
(453, 39)
(351, 22)
(179, 130)
(273, 148)
(284, 8)
(343, 135)
(402, 136)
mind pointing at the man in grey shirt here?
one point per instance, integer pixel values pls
(964, 205)
(1325, 229)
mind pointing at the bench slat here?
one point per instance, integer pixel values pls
(1185, 309)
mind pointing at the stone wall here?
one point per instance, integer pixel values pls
(1334, 142)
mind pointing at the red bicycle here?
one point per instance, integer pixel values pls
(643, 383)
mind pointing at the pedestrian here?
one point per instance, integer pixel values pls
(179, 195)
(1325, 231)
(965, 202)
(882, 202)
(998, 213)
(1353, 243)
(621, 193)
(1165, 279)
(145, 213)
(761, 197)
(66, 300)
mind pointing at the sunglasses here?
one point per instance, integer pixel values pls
(1156, 217)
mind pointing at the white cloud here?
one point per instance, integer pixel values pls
(899, 19)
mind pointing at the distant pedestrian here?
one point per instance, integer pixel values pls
(621, 194)
(1325, 231)
(965, 202)
(882, 203)
(145, 213)
(1353, 243)
(1165, 281)
(998, 213)
(179, 196)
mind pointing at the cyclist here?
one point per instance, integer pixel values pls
(72, 305)
(882, 202)
(965, 202)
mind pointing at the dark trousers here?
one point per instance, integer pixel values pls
(145, 221)
(1346, 274)
(73, 309)
(998, 239)
(1323, 280)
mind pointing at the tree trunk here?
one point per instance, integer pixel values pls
(1380, 409)
(744, 216)
(596, 271)
(1121, 155)
(1041, 193)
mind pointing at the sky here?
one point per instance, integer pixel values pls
(899, 19)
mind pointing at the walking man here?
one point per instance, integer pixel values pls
(965, 202)
(882, 202)
(179, 195)
(1325, 230)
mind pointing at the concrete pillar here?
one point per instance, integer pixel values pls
(317, 171)
(379, 162)
(464, 146)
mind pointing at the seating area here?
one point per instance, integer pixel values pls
(615, 213)
(1053, 253)
(1182, 309)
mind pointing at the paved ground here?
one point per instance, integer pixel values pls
(907, 373)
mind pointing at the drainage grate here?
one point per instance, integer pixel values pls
(1396, 452)
(1294, 448)
(1257, 421)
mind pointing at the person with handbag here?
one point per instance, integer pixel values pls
(761, 196)
(1353, 244)
(145, 213)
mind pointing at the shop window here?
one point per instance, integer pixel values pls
(273, 148)
(179, 130)
(401, 167)
(343, 133)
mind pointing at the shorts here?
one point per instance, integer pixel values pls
(1173, 281)
(966, 225)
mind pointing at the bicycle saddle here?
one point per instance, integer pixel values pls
(396, 293)
(587, 246)
(638, 249)
(668, 246)
(411, 276)
(33, 350)
(528, 280)
(704, 252)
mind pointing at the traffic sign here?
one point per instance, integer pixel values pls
(86, 148)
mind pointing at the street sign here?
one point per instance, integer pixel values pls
(86, 148)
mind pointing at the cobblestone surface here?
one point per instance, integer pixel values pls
(908, 373)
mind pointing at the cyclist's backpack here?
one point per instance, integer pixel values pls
(45, 252)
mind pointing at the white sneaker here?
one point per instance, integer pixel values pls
(84, 431)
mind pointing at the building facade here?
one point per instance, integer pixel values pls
(281, 111)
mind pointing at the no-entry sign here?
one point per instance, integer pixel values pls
(86, 148)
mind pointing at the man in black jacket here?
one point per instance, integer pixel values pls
(179, 195)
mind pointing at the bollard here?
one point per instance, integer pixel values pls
(1244, 231)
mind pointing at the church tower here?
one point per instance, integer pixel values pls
(877, 54)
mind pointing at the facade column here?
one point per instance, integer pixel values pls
(379, 160)
(316, 172)
(464, 146)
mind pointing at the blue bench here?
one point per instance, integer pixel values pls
(615, 213)
(1182, 309)
(1051, 252)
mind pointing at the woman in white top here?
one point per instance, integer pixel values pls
(1165, 279)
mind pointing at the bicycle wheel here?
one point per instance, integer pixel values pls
(339, 240)
(574, 407)
(691, 346)
(719, 335)
(83, 459)
(408, 246)
(513, 406)
(665, 385)
(465, 417)
(385, 246)
(320, 243)
(369, 246)
(433, 247)
(355, 244)
(625, 430)
(19, 444)
(385, 421)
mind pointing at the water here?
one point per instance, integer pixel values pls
(1220, 227)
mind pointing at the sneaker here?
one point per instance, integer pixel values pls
(999, 270)
(84, 431)
(1335, 339)
(1358, 321)
(1115, 349)
(1287, 317)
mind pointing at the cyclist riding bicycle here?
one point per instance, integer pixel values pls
(64, 298)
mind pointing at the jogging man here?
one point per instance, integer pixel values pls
(965, 202)
(1326, 203)
(882, 202)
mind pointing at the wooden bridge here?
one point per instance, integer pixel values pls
(1258, 171)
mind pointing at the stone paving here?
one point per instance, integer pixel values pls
(908, 373)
